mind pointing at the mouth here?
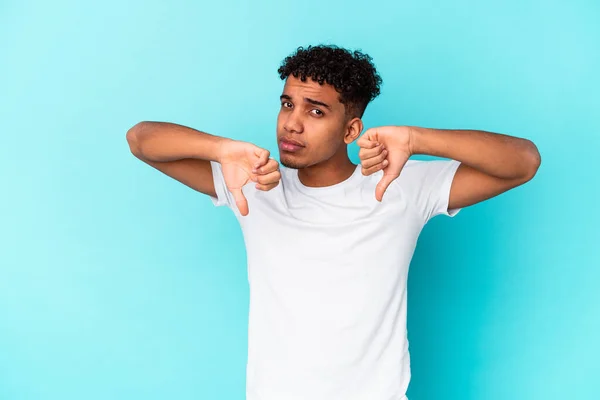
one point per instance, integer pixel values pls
(290, 146)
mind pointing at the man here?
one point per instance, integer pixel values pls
(329, 242)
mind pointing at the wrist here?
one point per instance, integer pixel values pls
(414, 140)
(221, 148)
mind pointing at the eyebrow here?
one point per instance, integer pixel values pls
(308, 100)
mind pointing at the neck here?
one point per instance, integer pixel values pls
(327, 173)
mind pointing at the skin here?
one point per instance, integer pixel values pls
(491, 163)
(325, 132)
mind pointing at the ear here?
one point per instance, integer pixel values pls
(353, 129)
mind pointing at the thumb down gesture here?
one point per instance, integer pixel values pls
(242, 162)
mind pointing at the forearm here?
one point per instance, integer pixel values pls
(495, 154)
(164, 141)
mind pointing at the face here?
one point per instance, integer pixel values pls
(312, 115)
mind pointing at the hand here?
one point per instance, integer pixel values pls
(238, 161)
(387, 148)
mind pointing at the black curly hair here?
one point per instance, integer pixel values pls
(352, 74)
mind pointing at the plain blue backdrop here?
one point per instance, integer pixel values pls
(117, 282)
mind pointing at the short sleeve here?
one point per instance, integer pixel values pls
(428, 185)
(224, 196)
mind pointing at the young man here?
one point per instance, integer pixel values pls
(329, 242)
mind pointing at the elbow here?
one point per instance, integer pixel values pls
(132, 137)
(534, 160)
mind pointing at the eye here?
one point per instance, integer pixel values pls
(319, 112)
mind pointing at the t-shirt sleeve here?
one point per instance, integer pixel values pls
(428, 184)
(224, 196)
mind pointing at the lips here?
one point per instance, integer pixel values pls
(291, 146)
(292, 141)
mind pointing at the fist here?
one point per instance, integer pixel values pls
(242, 162)
(384, 148)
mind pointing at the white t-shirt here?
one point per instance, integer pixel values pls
(327, 271)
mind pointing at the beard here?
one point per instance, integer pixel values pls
(290, 162)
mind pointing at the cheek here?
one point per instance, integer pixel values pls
(327, 144)
(334, 135)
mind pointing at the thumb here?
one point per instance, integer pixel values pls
(382, 186)
(240, 201)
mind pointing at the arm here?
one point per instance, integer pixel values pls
(491, 163)
(178, 151)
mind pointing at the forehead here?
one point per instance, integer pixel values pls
(326, 93)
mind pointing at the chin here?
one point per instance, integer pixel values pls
(290, 163)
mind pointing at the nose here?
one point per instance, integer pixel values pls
(292, 123)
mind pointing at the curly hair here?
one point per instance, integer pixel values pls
(352, 74)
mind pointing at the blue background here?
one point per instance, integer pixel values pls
(117, 282)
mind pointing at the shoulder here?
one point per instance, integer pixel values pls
(417, 178)
(419, 172)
